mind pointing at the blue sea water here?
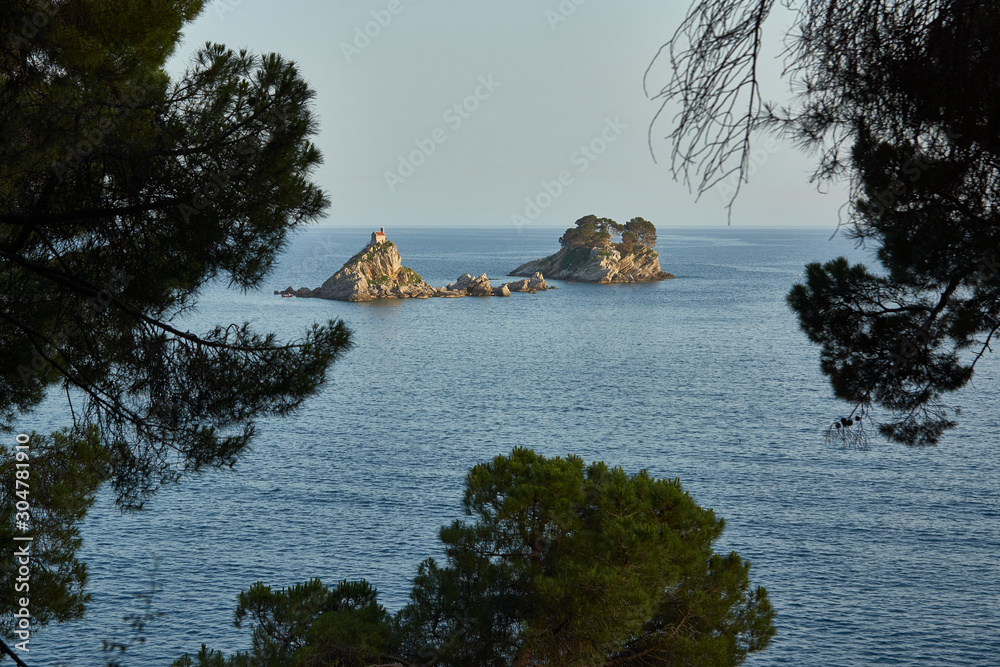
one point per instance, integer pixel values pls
(887, 556)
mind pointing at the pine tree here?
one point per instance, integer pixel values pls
(900, 100)
(563, 565)
(122, 194)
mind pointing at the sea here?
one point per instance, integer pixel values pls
(881, 556)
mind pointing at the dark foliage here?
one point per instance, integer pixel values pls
(901, 100)
(122, 194)
(565, 565)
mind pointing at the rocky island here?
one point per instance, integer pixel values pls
(589, 254)
(377, 272)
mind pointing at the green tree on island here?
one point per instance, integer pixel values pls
(643, 231)
(590, 231)
(900, 99)
(565, 565)
(122, 194)
(593, 232)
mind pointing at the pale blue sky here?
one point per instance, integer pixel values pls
(546, 88)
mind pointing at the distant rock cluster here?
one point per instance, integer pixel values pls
(377, 272)
(466, 285)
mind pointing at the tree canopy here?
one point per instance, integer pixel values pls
(562, 564)
(593, 232)
(122, 195)
(642, 232)
(899, 99)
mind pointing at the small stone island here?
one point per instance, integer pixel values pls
(590, 255)
(377, 272)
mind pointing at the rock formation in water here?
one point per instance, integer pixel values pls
(377, 272)
(588, 254)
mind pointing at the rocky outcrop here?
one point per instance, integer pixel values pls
(377, 272)
(466, 285)
(534, 284)
(598, 265)
(304, 292)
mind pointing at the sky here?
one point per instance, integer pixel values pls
(487, 113)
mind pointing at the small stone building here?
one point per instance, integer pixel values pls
(379, 236)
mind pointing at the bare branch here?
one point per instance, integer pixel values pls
(714, 58)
